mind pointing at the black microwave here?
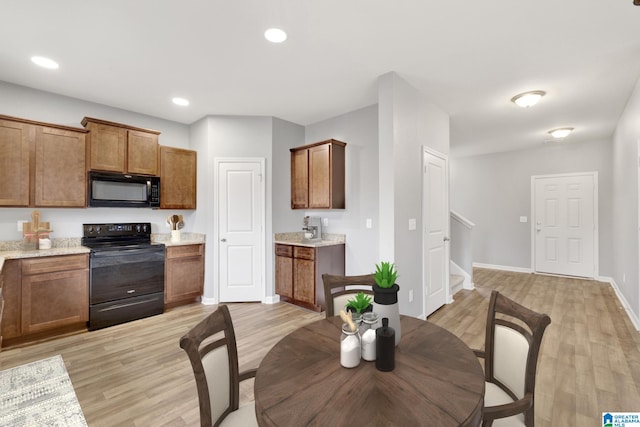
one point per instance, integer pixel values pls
(118, 190)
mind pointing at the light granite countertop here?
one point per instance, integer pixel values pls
(297, 238)
(72, 246)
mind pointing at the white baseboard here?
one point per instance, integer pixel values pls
(625, 304)
(209, 301)
(503, 268)
(272, 299)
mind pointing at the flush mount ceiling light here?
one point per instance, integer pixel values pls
(180, 101)
(560, 132)
(44, 62)
(528, 99)
(275, 35)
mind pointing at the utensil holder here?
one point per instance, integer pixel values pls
(175, 235)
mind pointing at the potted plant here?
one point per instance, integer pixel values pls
(360, 303)
(385, 295)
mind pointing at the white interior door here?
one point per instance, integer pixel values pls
(565, 224)
(240, 225)
(435, 213)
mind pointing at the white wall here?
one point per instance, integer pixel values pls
(494, 190)
(359, 129)
(407, 122)
(625, 204)
(27, 103)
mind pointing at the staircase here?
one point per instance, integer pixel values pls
(455, 283)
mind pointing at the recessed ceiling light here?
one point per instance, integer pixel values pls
(275, 35)
(180, 101)
(44, 62)
(528, 99)
(560, 132)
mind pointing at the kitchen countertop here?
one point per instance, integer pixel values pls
(297, 238)
(72, 246)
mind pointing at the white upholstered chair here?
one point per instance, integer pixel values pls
(340, 289)
(512, 345)
(211, 347)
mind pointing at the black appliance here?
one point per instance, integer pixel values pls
(117, 190)
(126, 273)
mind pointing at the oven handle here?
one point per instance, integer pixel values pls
(108, 254)
(117, 306)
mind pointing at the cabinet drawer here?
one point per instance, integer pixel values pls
(52, 264)
(184, 251)
(304, 252)
(284, 250)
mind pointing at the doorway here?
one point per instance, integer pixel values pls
(240, 228)
(565, 224)
(435, 216)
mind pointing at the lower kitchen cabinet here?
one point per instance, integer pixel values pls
(44, 294)
(184, 273)
(299, 271)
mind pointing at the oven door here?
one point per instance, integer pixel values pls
(119, 274)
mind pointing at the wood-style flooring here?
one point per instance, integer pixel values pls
(137, 375)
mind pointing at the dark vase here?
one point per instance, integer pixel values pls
(386, 305)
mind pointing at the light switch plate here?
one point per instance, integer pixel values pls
(369, 223)
(20, 222)
(412, 224)
(523, 219)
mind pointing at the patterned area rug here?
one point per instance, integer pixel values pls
(39, 394)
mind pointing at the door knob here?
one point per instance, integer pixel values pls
(223, 240)
(446, 239)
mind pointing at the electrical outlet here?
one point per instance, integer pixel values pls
(411, 295)
(369, 223)
(412, 224)
(20, 222)
(325, 222)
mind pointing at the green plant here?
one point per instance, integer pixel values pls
(386, 274)
(360, 302)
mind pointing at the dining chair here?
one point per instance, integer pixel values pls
(340, 289)
(512, 345)
(211, 347)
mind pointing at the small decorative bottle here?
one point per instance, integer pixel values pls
(368, 335)
(350, 347)
(385, 347)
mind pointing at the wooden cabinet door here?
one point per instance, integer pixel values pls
(184, 273)
(284, 276)
(319, 177)
(304, 279)
(299, 179)
(107, 152)
(142, 152)
(11, 320)
(60, 172)
(178, 178)
(53, 300)
(14, 163)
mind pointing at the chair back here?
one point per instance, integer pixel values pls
(340, 289)
(513, 338)
(211, 347)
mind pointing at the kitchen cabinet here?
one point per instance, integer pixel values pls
(318, 175)
(45, 295)
(178, 175)
(42, 165)
(184, 273)
(122, 148)
(299, 271)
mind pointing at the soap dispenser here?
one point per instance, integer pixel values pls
(385, 347)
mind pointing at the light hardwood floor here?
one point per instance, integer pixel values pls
(136, 374)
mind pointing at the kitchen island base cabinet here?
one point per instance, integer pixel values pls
(299, 271)
(44, 296)
(184, 274)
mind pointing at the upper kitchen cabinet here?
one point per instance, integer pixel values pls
(177, 178)
(122, 148)
(318, 175)
(14, 163)
(41, 165)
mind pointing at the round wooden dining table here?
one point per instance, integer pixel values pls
(437, 381)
